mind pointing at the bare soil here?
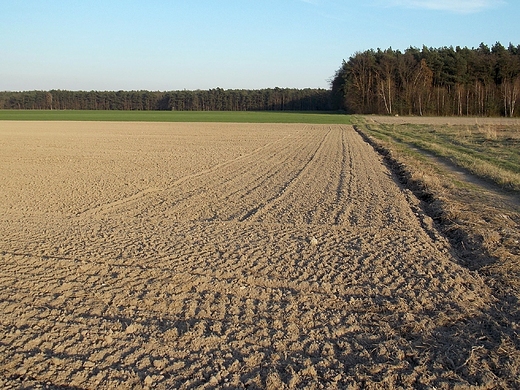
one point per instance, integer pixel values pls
(166, 256)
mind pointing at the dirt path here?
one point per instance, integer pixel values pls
(444, 120)
(227, 256)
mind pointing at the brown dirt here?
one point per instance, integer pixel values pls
(229, 256)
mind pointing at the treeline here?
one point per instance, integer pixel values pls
(217, 99)
(445, 81)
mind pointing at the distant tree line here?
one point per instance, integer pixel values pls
(217, 99)
(445, 81)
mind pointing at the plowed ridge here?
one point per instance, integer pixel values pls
(282, 257)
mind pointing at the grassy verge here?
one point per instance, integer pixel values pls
(489, 152)
(178, 116)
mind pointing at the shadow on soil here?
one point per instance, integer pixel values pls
(474, 350)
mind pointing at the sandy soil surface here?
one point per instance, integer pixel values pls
(166, 256)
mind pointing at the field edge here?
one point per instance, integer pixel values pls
(471, 233)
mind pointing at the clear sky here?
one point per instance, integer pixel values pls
(232, 44)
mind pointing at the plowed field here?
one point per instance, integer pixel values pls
(169, 256)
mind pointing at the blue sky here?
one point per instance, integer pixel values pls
(232, 44)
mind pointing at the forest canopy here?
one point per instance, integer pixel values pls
(444, 81)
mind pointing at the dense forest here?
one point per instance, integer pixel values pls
(445, 81)
(216, 99)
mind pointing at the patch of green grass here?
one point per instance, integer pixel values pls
(178, 116)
